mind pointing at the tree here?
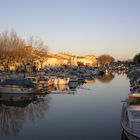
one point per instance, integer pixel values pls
(10, 43)
(11, 46)
(16, 51)
(136, 58)
(40, 51)
(105, 59)
(39, 47)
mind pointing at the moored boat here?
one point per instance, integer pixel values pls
(130, 118)
(47, 81)
(17, 85)
(33, 79)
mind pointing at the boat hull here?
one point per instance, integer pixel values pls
(131, 135)
(17, 90)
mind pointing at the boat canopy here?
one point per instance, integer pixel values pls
(17, 81)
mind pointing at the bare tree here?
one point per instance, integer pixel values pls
(40, 51)
(38, 45)
(11, 46)
(15, 49)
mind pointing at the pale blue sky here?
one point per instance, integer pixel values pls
(77, 26)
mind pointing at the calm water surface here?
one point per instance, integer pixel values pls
(92, 112)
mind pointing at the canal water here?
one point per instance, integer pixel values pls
(90, 112)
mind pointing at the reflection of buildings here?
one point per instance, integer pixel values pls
(15, 110)
(106, 78)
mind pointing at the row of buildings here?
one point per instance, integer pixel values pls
(41, 60)
(62, 59)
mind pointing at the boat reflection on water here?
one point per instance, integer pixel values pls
(61, 87)
(16, 100)
(70, 88)
(64, 89)
(16, 109)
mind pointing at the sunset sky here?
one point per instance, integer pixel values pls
(79, 27)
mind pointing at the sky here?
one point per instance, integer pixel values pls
(80, 27)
